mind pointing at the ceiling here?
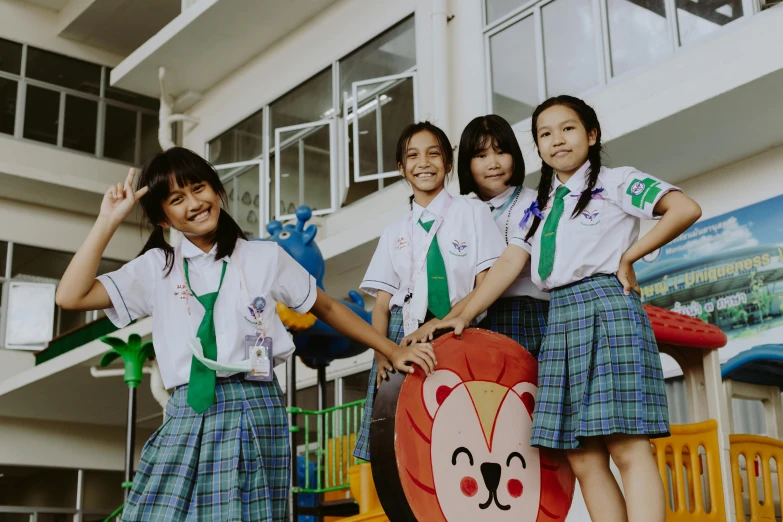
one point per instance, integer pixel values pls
(223, 38)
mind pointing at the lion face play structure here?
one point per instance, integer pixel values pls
(463, 437)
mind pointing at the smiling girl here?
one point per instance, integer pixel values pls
(428, 261)
(222, 452)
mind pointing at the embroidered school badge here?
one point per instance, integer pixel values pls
(182, 292)
(643, 192)
(459, 246)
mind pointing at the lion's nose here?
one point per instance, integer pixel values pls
(491, 473)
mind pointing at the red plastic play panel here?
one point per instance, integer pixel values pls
(461, 439)
(681, 330)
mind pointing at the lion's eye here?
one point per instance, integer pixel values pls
(456, 453)
(519, 456)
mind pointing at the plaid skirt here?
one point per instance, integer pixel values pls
(599, 371)
(230, 463)
(522, 318)
(395, 333)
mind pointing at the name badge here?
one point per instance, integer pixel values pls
(259, 352)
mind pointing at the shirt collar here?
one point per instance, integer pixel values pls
(434, 206)
(577, 183)
(189, 250)
(500, 199)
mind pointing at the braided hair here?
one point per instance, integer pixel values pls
(589, 120)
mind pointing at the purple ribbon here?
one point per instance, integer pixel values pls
(595, 194)
(531, 210)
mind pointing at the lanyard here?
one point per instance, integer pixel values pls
(499, 211)
(415, 270)
(256, 307)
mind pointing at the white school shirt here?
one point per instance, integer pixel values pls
(468, 240)
(507, 220)
(141, 288)
(594, 241)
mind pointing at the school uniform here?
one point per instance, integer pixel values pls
(469, 243)
(599, 371)
(231, 459)
(520, 313)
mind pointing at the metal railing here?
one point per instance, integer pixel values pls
(35, 512)
(332, 451)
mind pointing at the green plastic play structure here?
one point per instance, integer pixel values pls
(134, 354)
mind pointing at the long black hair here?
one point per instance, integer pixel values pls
(183, 167)
(482, 132)
(440, 136)
(589, 120)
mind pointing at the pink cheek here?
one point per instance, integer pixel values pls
(514, 488)
(469, 486)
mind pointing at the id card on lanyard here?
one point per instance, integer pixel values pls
(257, 364)
(410, 322)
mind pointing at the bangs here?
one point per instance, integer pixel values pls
(176, 168)
(481, 133)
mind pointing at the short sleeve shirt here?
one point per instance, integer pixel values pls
(468, 240)
(142, 287)
(594, 241)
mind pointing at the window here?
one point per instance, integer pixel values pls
(571, 63)
(355, 386)
(514, 70)
(553, 47)
(244, 202)
(638, 33)
(67, 103)
(696, 19)
(10, 56)
(240, 143)
(8, 89)
(496, 9)
(36, 264)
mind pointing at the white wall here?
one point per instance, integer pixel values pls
(26, 442)
(62, 230)
(24, 22)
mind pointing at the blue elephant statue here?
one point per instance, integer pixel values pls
(317, 343)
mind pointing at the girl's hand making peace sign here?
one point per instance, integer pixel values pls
(119, 200)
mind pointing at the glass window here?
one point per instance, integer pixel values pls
(571, 63)
(244, 201)
(119, 140)
(700, 17)
(305, 169)
(392, 52)
(41, 115)
(638, 33)
(149, 137)
(130, 98)
(81, 119)
(496, 9)
(311, 101)
(7, 105)
(63, 71)
(242, 142)
(3, 254)
(10, 56)
(38, 487)
(101, 492)
(514, 70)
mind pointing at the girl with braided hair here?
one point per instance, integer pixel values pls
(600, 384)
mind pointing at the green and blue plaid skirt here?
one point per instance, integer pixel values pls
(599, 372)
(394, 333)
(522, 318)
(230, 463)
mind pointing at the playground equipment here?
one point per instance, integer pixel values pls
(694, 460)
(756, 374)
(318, 344)
(454, 446)
(134, 354)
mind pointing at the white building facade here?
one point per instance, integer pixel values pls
(301, 102)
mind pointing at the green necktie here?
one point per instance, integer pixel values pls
(547, 258)
(201, 387)
(438, 300)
